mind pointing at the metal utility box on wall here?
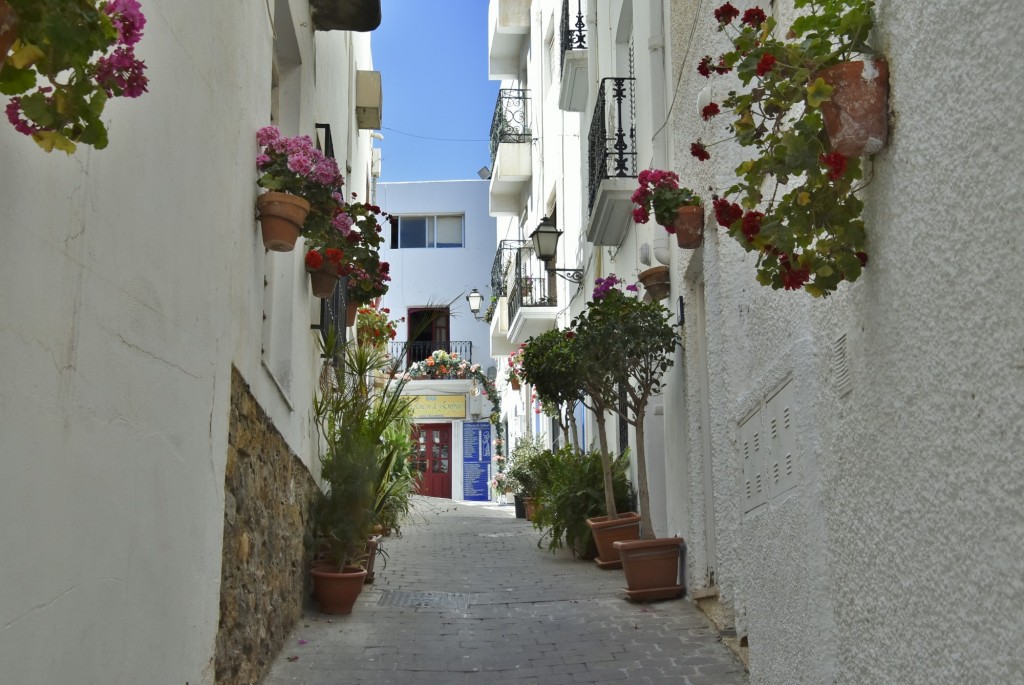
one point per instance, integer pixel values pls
(369, 99)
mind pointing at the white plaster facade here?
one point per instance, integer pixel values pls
(442, 277)
(132, 281)
(890, 554)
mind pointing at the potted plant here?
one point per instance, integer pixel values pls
(796, 200)
(550, 363)
(571, 492)
(351, 232)
(522, 474)
(644, 351)
(352, 414)
(300, 181)
(597, 334)
(67, 58)
(678, 210)
(514, 374)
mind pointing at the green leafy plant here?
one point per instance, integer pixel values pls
(69, 59)
(551, 364)
(572, 491)
(353, 415)
(659, 191)
(795, 201)
(524, 466)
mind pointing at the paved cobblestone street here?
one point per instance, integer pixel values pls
(466, 596)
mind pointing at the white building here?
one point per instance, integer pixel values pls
(158, 364)
(884, 545)
(440, 249)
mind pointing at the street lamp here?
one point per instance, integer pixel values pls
(545, 246)
(475, 300)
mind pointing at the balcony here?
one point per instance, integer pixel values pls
(612, 162)
(508, 24)
(511, 157)
(417, 350)
(573, 94)
(526, 290)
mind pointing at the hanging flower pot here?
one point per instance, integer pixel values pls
(350, 313)
(324, 280)
(8, 29)
(689, 226)
(514, 382)
(856, 117)
(656, 281)
(281, 217)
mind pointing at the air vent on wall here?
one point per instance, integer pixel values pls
(842, 379)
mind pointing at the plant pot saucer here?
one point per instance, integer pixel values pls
(608, 565)
(655, 593)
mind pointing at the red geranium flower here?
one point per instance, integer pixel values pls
(836, 164)
(699, 151)
(765, 64)
(726, 213)
(314, 260)
(333, 255)
(751, 224)
(726, 13)
(704, 67)
(710, 111)
(754, 17)
(863, 257)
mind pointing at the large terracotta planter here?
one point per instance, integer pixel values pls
(324, 280)
(531, 507)
(689, 227)
(857, 116)
(336, 593)
(656, 282)
(281, 218)
(607, 532)
(8, 29)
(651, 568)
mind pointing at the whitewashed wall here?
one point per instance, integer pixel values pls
(895, 559)
(132, 281)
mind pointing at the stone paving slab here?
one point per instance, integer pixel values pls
(467, 596)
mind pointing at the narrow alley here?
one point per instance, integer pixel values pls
(466, 596)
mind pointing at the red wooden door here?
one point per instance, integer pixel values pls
(433, 459)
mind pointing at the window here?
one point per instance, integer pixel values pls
(428, 231)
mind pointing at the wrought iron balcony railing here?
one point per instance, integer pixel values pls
(517, 274)
(409, 353)
(511, 122)
(612, 138)
(574, 28)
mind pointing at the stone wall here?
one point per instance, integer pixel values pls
(267, 493)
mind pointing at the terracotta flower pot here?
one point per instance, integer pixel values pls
(607, 532)
(515, 383)
(324, 280)
(281, 217)
(350, 313)
(689, 227)
(336, 593)
(857, 116)
(531, 507)
(656, 281)
(8, 29)
(651, 568)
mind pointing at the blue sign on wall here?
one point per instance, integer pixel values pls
(476, 459)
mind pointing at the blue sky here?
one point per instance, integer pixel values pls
(437, 100)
